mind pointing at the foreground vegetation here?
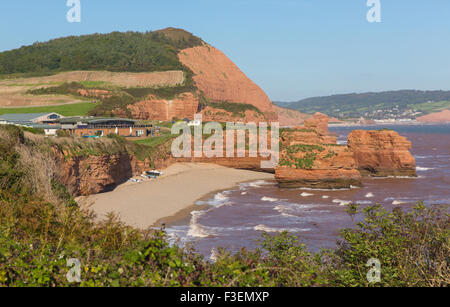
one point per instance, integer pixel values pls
(41, 229)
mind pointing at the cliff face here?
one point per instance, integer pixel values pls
(87, 175)
(183, 106)
(311, 158)
(220, 115)
(382, 153)
(94, 93)
(93, 174)
(289, 118)
(440, 117)
(220, 80)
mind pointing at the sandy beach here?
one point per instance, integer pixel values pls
(151, 203)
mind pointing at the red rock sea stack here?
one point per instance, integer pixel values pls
(382, 153)
(310, 157)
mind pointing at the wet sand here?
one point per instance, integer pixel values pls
(170, 197)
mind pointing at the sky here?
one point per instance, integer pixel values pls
(293, 49)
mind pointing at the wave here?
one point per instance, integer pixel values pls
(306, 194)
(398, 198)
(269, 199)
(341, 202)
(423, 157)
(195, 229)
(423, 169)
(325, 197)
(265, 228)
(289, 210)
(363, 202)
(370, 195)
(218, 200)
(398, 202)
(254, 184)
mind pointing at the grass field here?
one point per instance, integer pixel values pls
(430, 107)
(76, 109)
(156, 140)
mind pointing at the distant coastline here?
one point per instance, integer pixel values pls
(388, 123)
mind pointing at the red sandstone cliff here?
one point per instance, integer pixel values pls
(440, 117)
(94, 93)
(182, 106)
(220, 80)
(289, 117)
(382, 153)
(311, 158)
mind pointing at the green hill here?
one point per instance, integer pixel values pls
(130, 52)
(393, 104)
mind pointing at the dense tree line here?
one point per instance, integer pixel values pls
(130, 51)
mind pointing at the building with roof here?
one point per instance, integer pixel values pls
(45, 121)
(95, 126)
(31, 118)
(78, 126)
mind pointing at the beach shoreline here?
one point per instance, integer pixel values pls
(171, 197)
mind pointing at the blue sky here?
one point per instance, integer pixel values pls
(293, 49)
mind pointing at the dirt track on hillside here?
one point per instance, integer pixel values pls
(150, 79)
(13, 92)
(15, 96)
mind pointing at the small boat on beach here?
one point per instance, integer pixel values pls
(152, 174)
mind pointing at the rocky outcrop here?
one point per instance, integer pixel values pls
(319, 123)
(220, 115)
(220, 80)
(288, 117)
(94, 93)
(382, 153)
(88, 175)
(310, 157)
(318, 178)
(439, 117)
(182, 106)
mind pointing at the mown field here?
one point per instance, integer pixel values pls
(76, 109)
(430, 107)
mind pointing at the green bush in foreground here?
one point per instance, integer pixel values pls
(39, 234)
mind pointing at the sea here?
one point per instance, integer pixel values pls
(237, 218)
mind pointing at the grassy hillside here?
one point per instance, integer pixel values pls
(130, 51)
(76, 109)
(114, 52)
(369, 105)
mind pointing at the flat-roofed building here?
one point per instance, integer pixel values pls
(31, 118)
(94, 126)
